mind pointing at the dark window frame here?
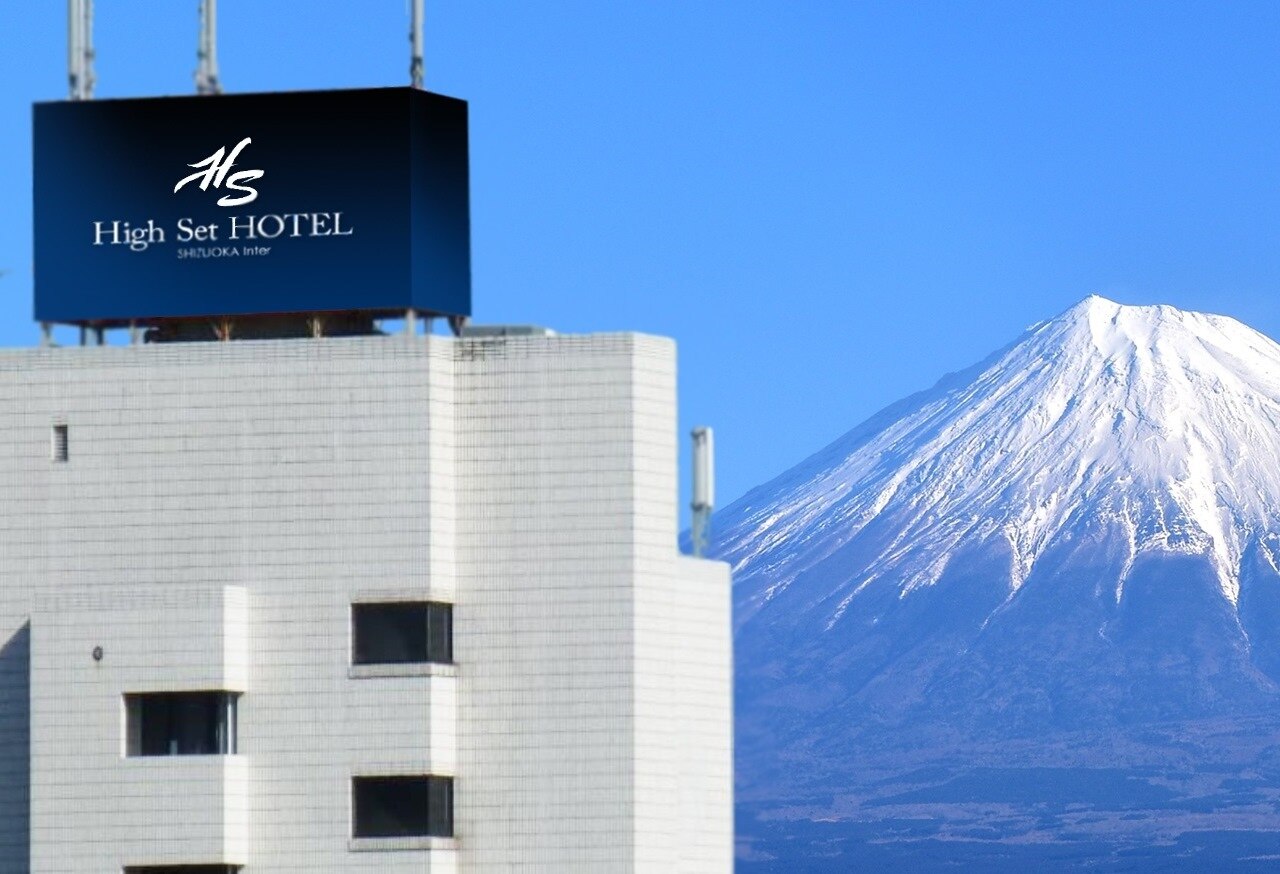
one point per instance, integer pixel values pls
(196, 723)
(401, 633)
(60, 443)
(402, 806)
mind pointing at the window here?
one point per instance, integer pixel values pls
(181, 869)
(181, 724)
(399, 807)
(402, 632)
(59, 447)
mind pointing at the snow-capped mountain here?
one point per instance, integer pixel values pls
(1161, 424)
(1079, 532)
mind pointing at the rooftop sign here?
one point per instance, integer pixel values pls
(305, 202)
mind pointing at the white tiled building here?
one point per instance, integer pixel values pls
(392, 604)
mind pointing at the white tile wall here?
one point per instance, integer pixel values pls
(222, 506)
(139, 810)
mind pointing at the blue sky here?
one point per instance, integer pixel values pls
(827, 204)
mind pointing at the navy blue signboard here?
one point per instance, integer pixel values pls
(305, 202)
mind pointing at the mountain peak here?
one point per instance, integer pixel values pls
(1111, 324)
(1095, 302)
(1149, 426)
(1066, 556)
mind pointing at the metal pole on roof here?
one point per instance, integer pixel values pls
(207, 81)
(75, 48)
(704, 488)
(416, 64)
(80, 77)
(89, 78)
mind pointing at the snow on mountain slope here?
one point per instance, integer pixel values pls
(1036, 606)
(1158, 426)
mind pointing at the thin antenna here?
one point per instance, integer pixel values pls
(73, 48)
(78, 50)
(89, 78)
(80, 55)
(704, 488)
(416, 65)
(207, 51)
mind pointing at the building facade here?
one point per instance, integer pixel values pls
(376, 603)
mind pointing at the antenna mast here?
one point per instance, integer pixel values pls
(207, 50)
(416, 65)
(90, 78)
(80, 49)
(704, 489)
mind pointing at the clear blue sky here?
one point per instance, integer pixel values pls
(828, 204)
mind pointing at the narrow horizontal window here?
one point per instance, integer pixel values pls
(181, 724)
(60, 446)
(400, 807)
(182, 869)
(402, 633)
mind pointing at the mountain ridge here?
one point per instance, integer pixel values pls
(1123, 351)
(1060, 561)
